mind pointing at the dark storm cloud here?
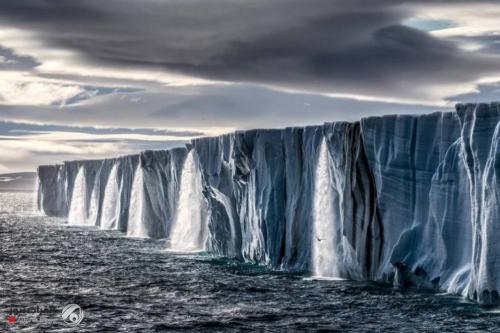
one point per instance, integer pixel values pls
(11, 61)
(355, 47)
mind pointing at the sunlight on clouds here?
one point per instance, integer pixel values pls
(55, 136)
(64, 66)
(36, 91)
(26, 154)
(39, 147)
(17, 149)
(27, 151)
(20, 88)
(430, 96)
(65, 62)
(468, 19)
(471, 46)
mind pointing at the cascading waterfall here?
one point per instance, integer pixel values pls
(94, 206)
(135, 219)
(78, 208)
(324, 240)
(189, 231)
(111, 201)
(415, 196)
(37, 198)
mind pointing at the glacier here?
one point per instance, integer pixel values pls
(410, 200)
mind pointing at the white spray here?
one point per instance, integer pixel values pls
(78, 207)
(111, 201)
(324, 240)
(94, 206)
(135, 218)
(189, 231)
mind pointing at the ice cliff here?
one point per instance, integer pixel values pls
(409, 200)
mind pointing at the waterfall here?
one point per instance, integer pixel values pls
(189, 231)
(78, 207)
(111, 201)
(94, 206)
(37, 197)
(324, 240)
(135, 227)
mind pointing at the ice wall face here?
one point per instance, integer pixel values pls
(78, 208)
(106, 193)
(111, 203)
(189, 228)
(51, 190)
(406, 155)
(480, 137)
(410, 200)
(298, 199)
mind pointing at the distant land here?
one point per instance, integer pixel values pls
(17, 182)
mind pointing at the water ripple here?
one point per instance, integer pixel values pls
(132, 285)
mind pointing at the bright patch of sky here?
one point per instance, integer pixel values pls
(429, 24)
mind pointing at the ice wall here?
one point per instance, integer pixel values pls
(51, 190)
(409, 200)
(106, 193)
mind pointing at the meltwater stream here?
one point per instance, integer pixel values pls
(128, 284)
(325, 256)
(111, 203)
(78, 209)
(189, 229)
(136, 228)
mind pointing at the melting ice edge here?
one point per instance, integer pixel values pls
(404, 199)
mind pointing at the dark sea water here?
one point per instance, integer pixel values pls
(133, 285)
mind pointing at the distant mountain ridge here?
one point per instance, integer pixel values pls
(17, 182)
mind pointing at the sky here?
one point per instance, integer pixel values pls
(87, 79)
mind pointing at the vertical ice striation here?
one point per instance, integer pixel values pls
(450, 216)
(227, 209)
(480, 153)
(189, 231)
(52, 193)
(325, 231)
(406, 199)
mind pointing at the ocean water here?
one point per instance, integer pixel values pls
(134, 285)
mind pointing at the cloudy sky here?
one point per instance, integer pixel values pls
(95, 78)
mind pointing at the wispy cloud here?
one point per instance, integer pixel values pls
(122, 75)
(21, 129)
(24, 152)
(329, 47)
